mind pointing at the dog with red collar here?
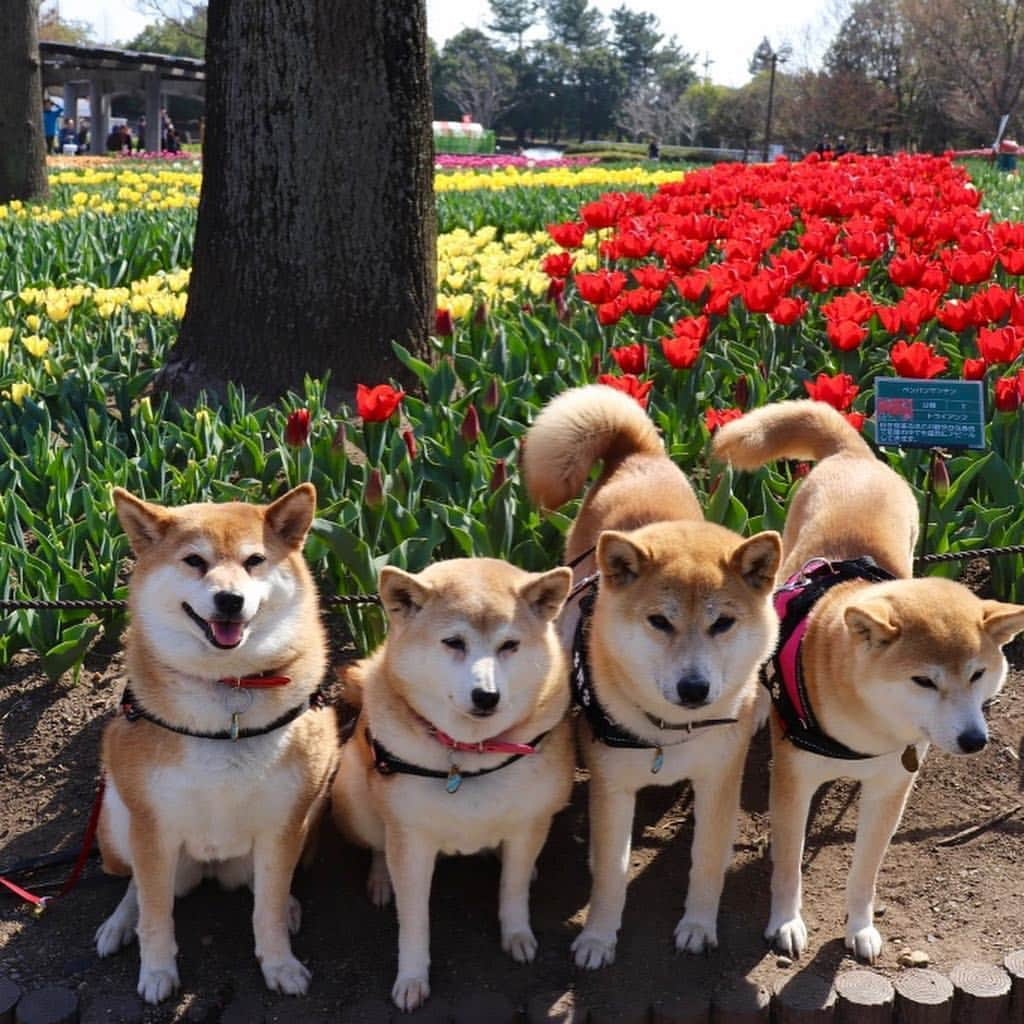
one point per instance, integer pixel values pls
(873, 666)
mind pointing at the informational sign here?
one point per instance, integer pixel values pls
(929, 413)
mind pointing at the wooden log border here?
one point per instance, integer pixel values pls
(972, 993)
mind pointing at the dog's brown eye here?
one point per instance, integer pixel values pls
(456, 643)
(660, 623)
(508, 647)
(196, 562)
(721, 625)
(924, 682)
(977, 675)
(253, 560)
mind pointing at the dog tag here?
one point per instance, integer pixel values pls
(659, 760)
(454, 779)
(909, 759)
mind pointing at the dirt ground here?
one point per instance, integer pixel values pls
(957, 902)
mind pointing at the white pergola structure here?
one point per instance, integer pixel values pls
(101, 73)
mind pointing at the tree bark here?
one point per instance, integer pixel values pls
(22, 149)
(316, 236)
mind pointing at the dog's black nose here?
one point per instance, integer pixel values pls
(485, 700)
(227, 602)
(972, 740)
(693, 690)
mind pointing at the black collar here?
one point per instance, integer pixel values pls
(388, 764)
(602, 726)
(133, 710)
(791, 702)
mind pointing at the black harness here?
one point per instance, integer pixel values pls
(133, 710)
(794, 602)
(603, 727)
(387, 763)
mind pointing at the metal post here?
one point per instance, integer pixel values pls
(932, 455)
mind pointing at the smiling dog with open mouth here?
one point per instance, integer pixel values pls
(220, 763)
(665, 664)
(462, 743)
(879, 667)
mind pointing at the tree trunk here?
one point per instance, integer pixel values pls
(316, 236)
(22, 149)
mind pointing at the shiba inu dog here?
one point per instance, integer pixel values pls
(462, 743)
(665, 665)
(220, 763)
(886, 664)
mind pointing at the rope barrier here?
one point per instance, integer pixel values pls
(348, 600)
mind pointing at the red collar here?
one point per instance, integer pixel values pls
(262, 681)
(481, 746)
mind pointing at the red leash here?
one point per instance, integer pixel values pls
(40, 902)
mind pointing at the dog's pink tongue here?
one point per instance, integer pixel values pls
(228, 634)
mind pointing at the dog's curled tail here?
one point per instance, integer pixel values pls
(803, 429)
(576, 429)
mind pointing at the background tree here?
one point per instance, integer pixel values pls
(183, 36)
(513, 18)
(475, 75)
(635, 39)
(315, 241)
(55, 29)
(23, 152)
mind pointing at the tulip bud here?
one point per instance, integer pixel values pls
(470, 429)
(595, 366)
(492, 396)
(443, 326)
(562, 310)
(527, 308)
(373, 495)
(480, 313)
(500, 474)
(801, 469)
(340, 437)
(296, 428)
(940, 476)
(410, 442)
(555, 288)
(741, 392)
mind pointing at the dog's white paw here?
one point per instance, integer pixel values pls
(118, 930)
(520, 945)
(378, 882)
(865, 943)
(157, 983)
(410, 991)
(593, 951)
(694, 937)
(789, 937)
(287, 976)
(294, 915)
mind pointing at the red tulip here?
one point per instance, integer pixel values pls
(974, 369)
(1000, 344)
(845, 334)
(609, 313)
(651, 277)
(568, 236)
(499, 474)
(376, 404)
(838, 391)
(492, 396)
(787, 311)
(410, 442)
(631, 385)
(443, 326)
(855, 419)
(741, 391)
(373, 493)
(557, 264)
(916, 360)
(715, 418)
(600, 287)
(680, 352)
(642, 301)
(296, 428)
(631, 358)
(470, 429)
(1007, 394)
(694, 328)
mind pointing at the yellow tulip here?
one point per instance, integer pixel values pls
(35, 345)
(20, 390)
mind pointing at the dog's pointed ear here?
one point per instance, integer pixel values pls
(619, 559)
(145, 524)
(546, 592)
(1002, 621)
(873, 620)
(401, 593)
(757, 561)
(291, 516)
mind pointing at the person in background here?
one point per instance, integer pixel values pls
(83, 134)
(654, 150)
(51, 123)
(140, 145)
(68, 136)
